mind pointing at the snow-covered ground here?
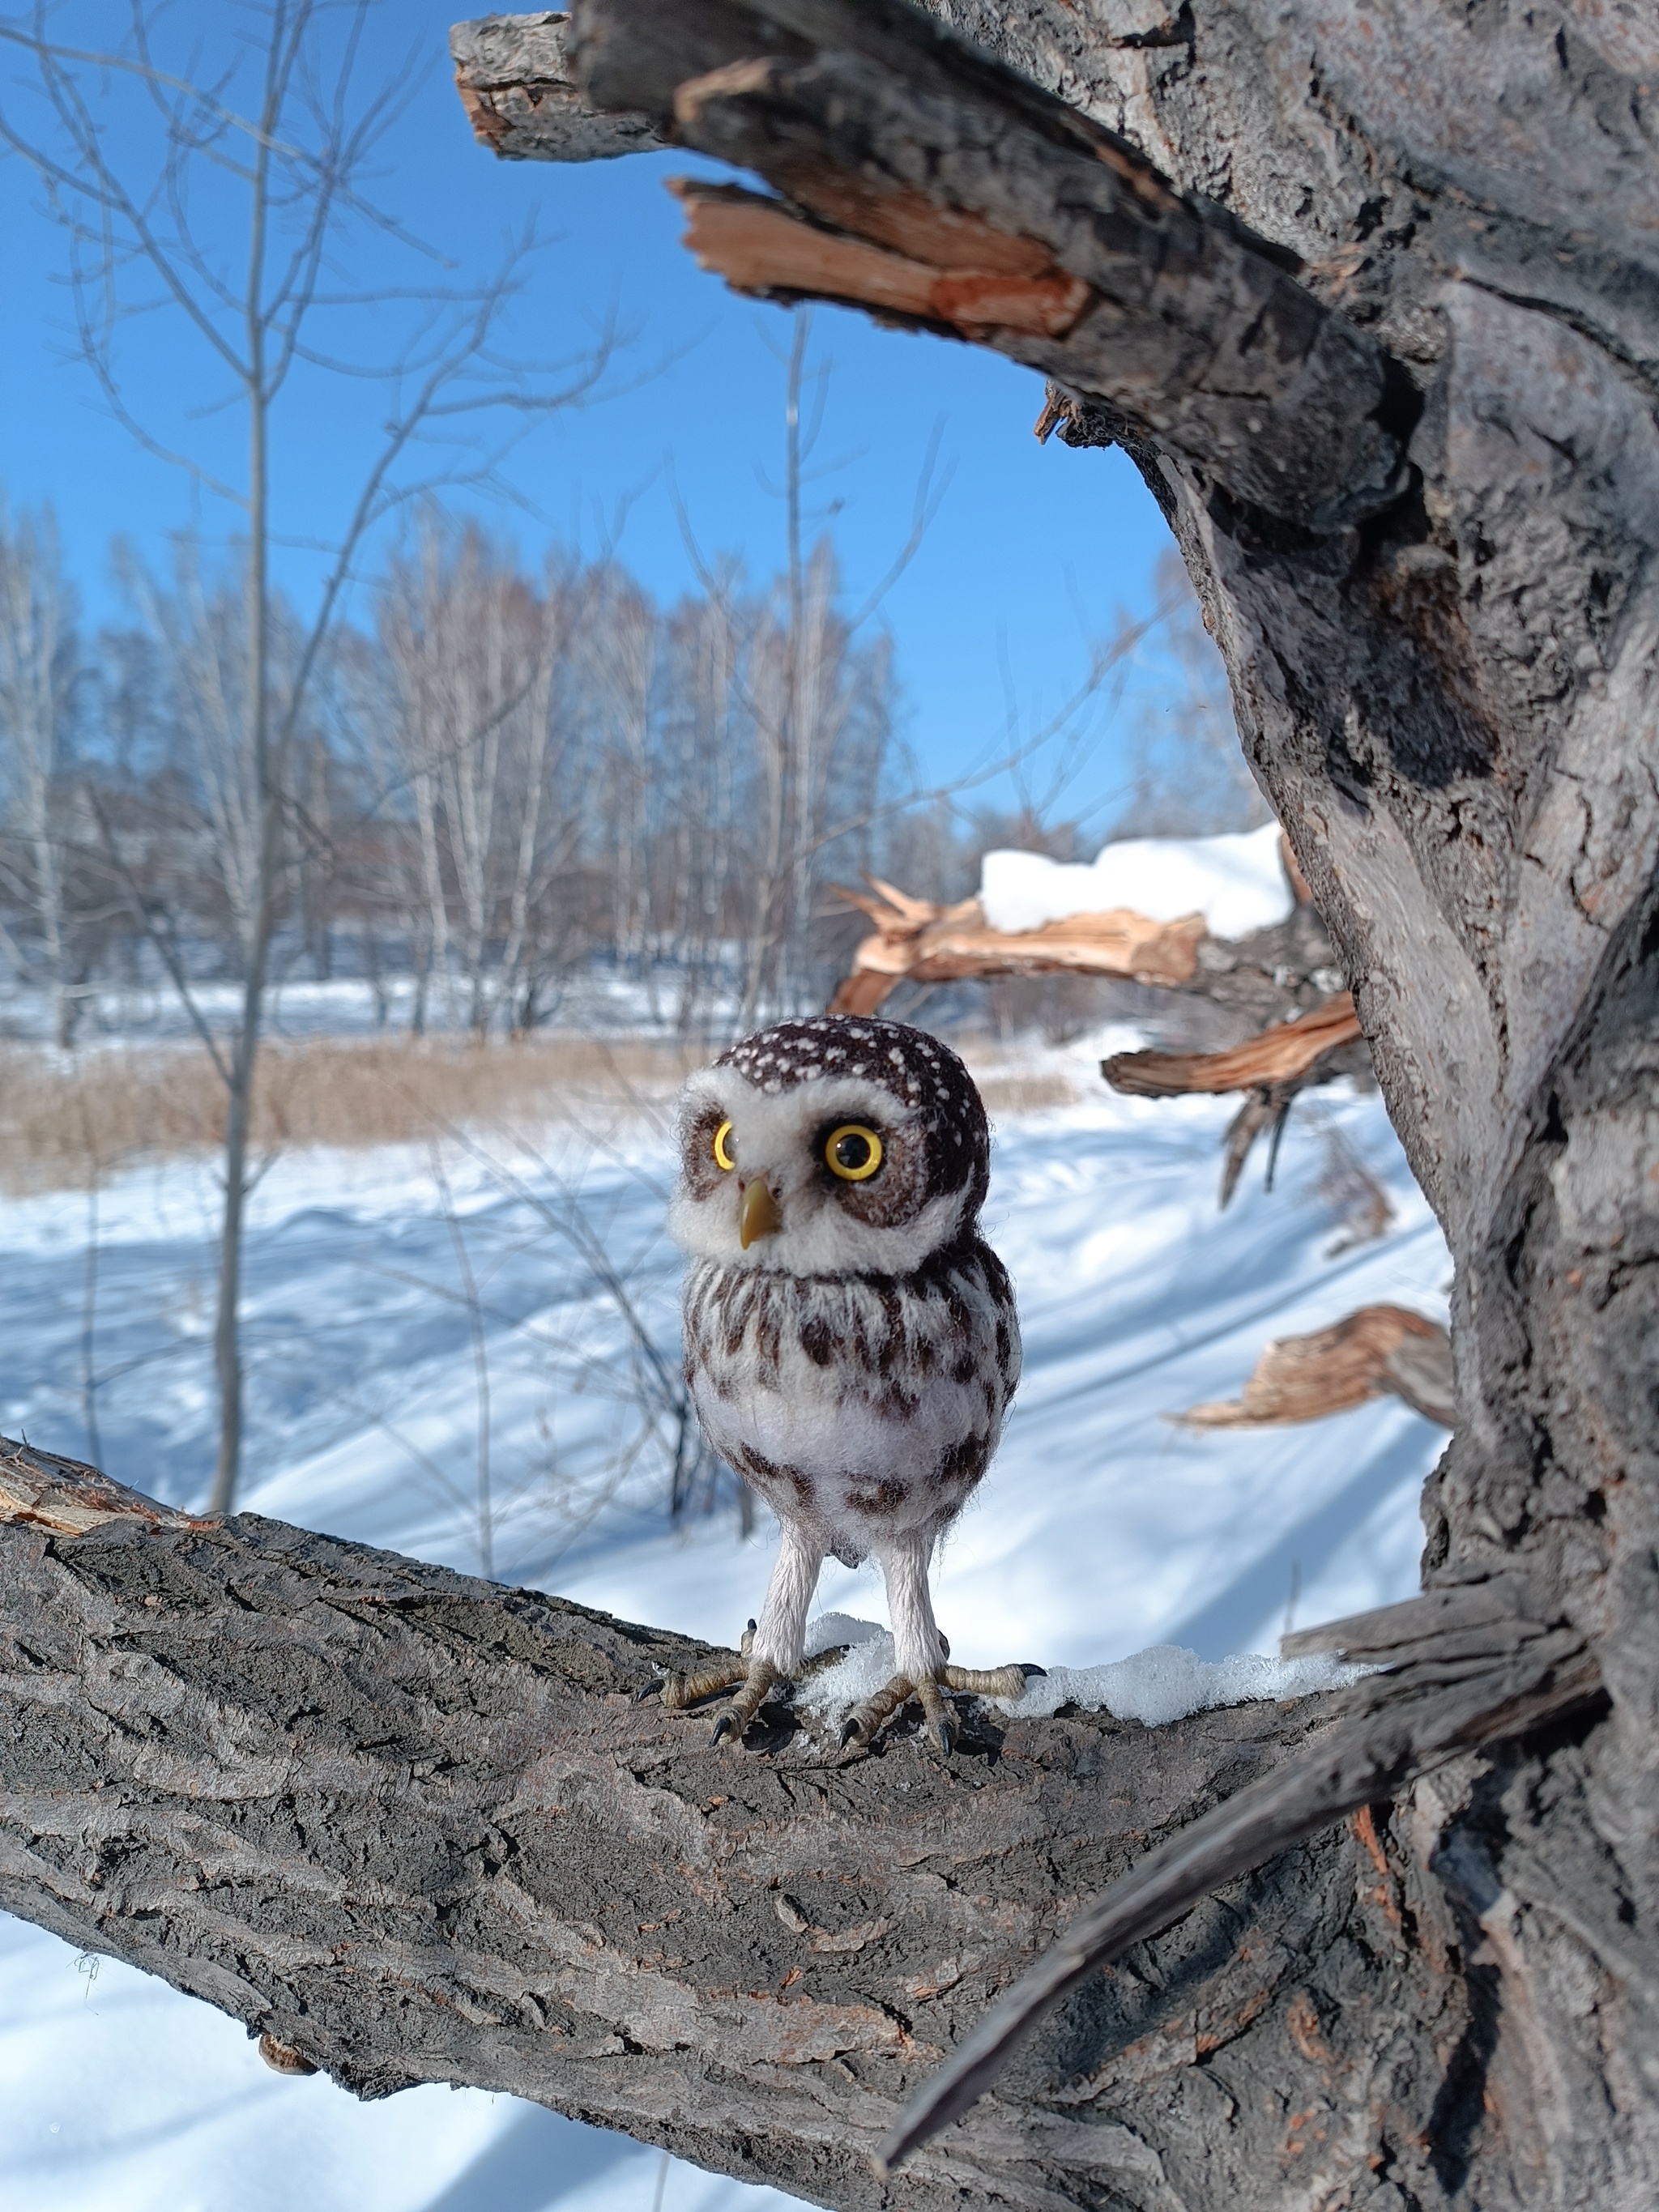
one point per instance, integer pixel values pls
(1101, 1528)
(595, 998)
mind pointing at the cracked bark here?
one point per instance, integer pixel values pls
(412, 1827)
(1431, 572)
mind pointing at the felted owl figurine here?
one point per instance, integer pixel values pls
(851, 1344)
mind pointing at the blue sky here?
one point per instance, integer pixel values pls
(1031, 549)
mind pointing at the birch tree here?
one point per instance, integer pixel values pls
(475, 654)
(39, 654)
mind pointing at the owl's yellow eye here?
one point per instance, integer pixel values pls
(724, 1155)
(853, 1153)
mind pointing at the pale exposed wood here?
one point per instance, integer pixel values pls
(924, 943)
(761, 247)
(40, 1489)
(1379, 1350)
(1280, 1055)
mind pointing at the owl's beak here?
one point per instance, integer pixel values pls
(758, 1215)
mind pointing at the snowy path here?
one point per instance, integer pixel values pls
(1101, 1529)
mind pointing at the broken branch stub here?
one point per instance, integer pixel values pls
(1274, 1068)
(1283, 1054)
(514, 82)
(919, 942)
(1378, 1351)
(926, 182)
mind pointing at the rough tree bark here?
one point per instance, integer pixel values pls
(1386, 347)
(414, 1828)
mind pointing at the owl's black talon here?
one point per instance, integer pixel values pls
(759, 1679)
(654, 1688)
(946, 1737)
(850, 1733)
(1032, 1672)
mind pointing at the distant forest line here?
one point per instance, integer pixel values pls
(501, 777)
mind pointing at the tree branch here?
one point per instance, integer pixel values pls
(515, 84)
(413, 1826)
(1464, 1668)
(925, 181)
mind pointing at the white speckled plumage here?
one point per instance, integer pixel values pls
(855, 1364)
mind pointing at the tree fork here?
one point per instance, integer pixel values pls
(1443, 676)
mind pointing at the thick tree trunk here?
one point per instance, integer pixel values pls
(1388, 358)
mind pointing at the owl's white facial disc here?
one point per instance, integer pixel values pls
(775, 1114)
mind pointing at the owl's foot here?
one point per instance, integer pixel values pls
(865, 1721)
(751, 1678)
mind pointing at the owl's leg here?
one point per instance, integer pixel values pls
(770, 1651)
(919, 1650)
(922, 1652)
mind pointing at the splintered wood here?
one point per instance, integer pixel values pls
(1279, 1055)
(64, 1499)
(763, 247)
(924, 943)
(1379, 1350)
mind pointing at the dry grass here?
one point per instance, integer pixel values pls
(1007, 1082)
(62, 1126)
(1024, 1094)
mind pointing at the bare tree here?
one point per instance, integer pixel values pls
(474, 655)
(253, 205)
(701, 748)
(805, 685)
(38, 662)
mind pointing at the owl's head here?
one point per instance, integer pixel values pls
(837, 1145)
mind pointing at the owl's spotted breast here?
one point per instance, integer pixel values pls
(850, 1345)
(869, 1403)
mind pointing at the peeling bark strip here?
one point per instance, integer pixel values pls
(410, 1826)
(924, 181)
